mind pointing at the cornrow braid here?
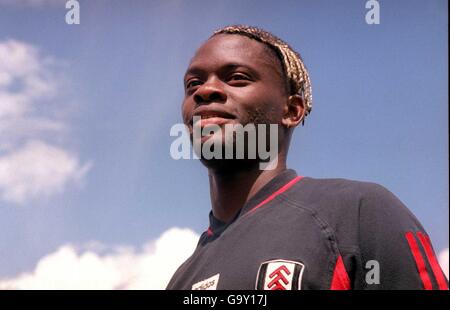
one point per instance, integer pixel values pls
(293, 66)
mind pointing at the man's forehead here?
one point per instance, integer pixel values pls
(225, 48)
(230, 42)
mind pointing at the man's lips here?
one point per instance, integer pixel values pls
(211, 121)
(204, 117)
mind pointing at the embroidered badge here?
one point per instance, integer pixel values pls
(280, 274)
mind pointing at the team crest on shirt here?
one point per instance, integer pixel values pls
(280, 274)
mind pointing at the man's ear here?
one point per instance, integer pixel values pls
(294, 111)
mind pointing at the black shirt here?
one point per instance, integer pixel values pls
(305, 233)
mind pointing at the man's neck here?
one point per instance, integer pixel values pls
(230, 191)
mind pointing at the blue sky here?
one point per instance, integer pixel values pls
(380, 113)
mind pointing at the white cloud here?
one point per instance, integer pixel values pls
(37, 169)
(443, 261)
(30, 165)
(25, 77)
(149, 268)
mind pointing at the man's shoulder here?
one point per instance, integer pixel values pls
(339, 195)
(322, 188)
(346, 206)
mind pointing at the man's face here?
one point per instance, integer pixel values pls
(233, 79)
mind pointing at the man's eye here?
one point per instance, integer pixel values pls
(238, 77)
(193, 83)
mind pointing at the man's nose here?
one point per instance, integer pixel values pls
(210, 91)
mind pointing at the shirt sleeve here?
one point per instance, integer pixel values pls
(396, 252)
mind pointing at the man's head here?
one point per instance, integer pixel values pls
(295, 73)
(245, 75)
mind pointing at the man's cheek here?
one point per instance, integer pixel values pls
(264, 113)
(186, 114)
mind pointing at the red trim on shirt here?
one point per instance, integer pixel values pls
(341, 280)
(284, 188)
(426, 244)
(420, 263)
(209, 232)
(278, 192)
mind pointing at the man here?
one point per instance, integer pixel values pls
(269, 228)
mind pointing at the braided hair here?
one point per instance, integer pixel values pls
(294, 69)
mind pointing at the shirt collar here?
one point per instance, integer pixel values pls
(216, 226)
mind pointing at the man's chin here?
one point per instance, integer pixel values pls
(230, 165)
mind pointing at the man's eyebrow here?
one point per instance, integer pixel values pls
(197, 70)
